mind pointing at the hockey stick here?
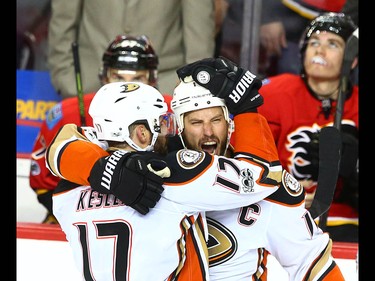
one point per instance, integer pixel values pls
(329, 159)
(328, 142)
(351, 51)
(77, 72)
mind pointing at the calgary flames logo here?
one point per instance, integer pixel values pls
(304, 147)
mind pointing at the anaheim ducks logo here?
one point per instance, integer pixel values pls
(222, 244)
(130, 87)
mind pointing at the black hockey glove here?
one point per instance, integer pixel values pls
(349, 155)
(44, 197)
(131, 177)
(348, 170)
(237, 86)
(312, 150)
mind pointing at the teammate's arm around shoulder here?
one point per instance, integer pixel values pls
(75, 154)
(253, 135)
(254, 142)
(61, 154)
(197, 177)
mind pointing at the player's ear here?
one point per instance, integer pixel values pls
(143, 135)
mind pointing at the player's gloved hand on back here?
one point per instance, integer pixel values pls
(90, 134)
(133, 177)
(224, 79)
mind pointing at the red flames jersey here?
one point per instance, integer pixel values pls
(64, 112)
(294, 114)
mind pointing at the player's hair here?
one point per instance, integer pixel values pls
(130, 53)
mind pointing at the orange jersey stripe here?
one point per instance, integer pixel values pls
(69, 163)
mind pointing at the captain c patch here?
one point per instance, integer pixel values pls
(189, 158)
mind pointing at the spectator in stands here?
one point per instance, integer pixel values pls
(180, 31)
(127, 58)
(221, 7)
(298, 106)
(282, 23)
(231, 31)
(32, 30)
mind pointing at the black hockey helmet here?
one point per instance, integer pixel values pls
(130, 53)
(337, 23)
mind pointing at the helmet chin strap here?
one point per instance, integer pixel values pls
(182, 139)
(230, 131)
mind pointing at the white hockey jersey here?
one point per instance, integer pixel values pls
(241, 239)
(111, 241)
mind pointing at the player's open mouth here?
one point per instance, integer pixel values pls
(209, 147)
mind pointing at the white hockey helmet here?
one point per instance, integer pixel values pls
(189, 96)
(118, 105)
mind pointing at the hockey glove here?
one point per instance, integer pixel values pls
(312, 156)
(237, 86)
(349, 155)
(50, 219)
(90, 134)
(131, 177)
(44, 197)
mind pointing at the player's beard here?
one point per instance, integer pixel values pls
(161, 145)
(218, 149)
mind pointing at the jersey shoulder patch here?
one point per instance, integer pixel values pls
(290, 193)
(186, 165)
(189, 159)
(54, 115)
(291, 184)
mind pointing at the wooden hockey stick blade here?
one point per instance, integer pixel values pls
(329, 160)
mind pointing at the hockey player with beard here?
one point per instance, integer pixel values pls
(241, 238)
